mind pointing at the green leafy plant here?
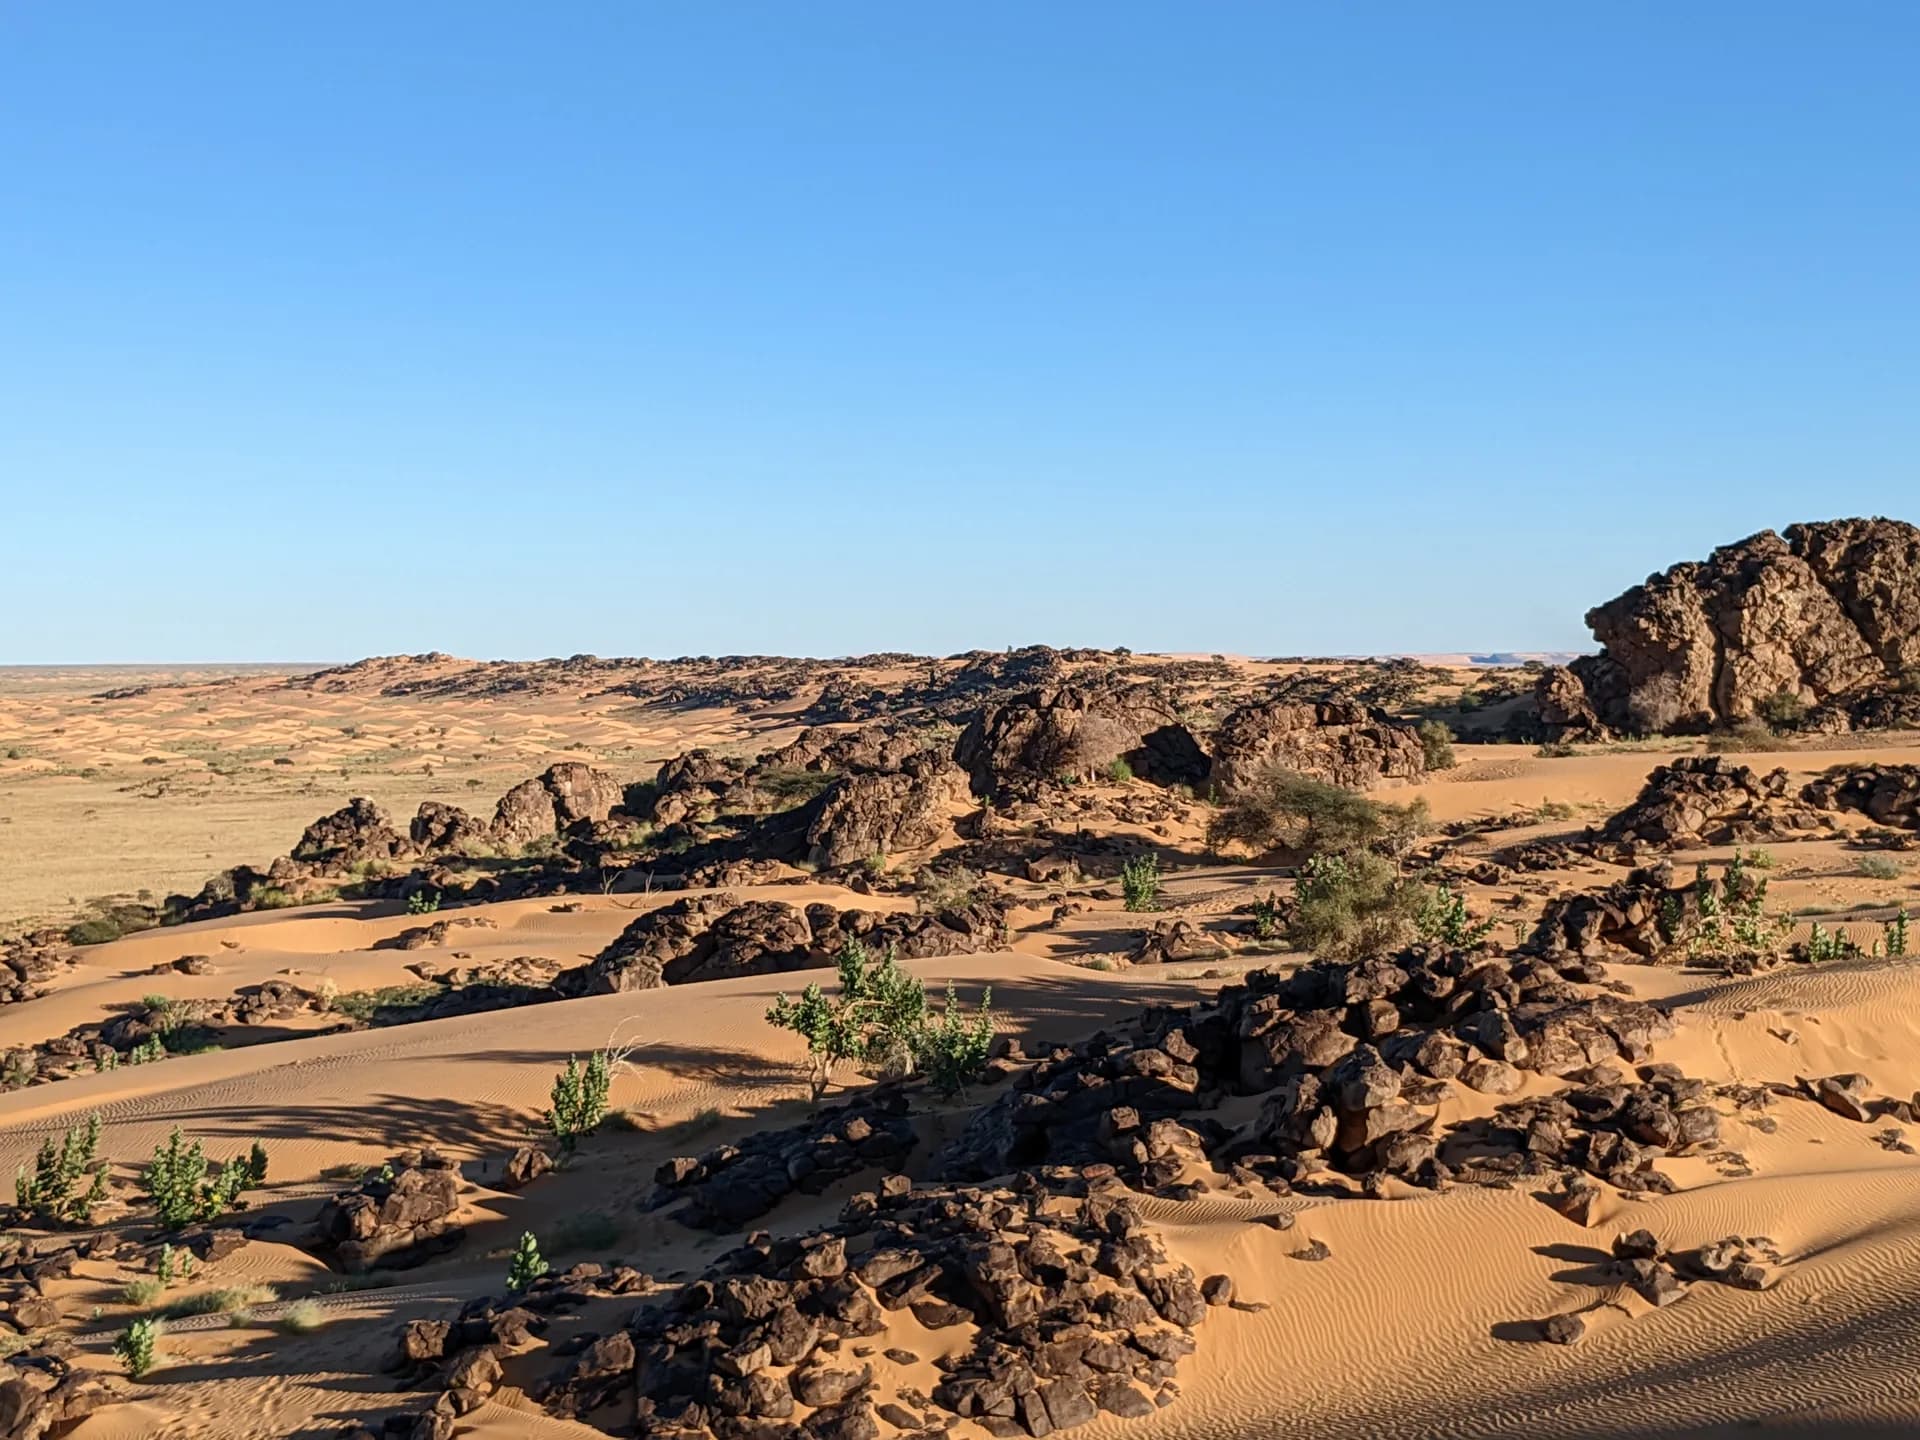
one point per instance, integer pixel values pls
(1896, 935)
(177, 1181)
(1280, 809)
(1444, 918)
(1119, 772)
(952, 1048)
(1824, 945)
(579, 1097)
(51, 1192)
(527, 1265)
(147, 1051)
(879, 1018)
(1268, 917)
(136, 1344)
(1879, 867)
(1346, 906)
(1140, 882)
(423, 902)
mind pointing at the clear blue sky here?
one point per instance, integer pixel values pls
(516, 329)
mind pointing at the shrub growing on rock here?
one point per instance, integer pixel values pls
(1783, 710)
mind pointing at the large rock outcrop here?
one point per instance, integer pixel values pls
(1340, 743)
(1828, 613)
(879, 814)
(359, 830)
(565, 795)
(1075, 731)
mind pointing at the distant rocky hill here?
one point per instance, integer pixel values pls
(1823, 620)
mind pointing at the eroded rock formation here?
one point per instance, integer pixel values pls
(1340, 743)
(1827, 613)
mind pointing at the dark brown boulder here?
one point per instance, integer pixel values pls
(567, 794)
(360, 830)
(1342, 744)
(1077, 731)
(525, 814)
(446, 827)
(395, 1223)
(869, 814)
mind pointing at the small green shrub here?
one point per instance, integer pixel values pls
(1268, 916)
(136, 1344)
(1436, 740)
(1280, 809)
(141, 1293)
(881, 1019)
(1351, 905)
(951, 1050)
(1878, 867)
(177, 1181)
(389, 1005)
(787, 787)
(1444, 917)
(1140, 882)
(579, 1097)
(527, 1266)
(1119, 772)
(1782, 710)
(1824, 945)
(1896, 937)
(52, 1193)
(423, 902)
(876, 1019)
(1748, 736)
(1556, 750)
(936, 891)
(148, 1051)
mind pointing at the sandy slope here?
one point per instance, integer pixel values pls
(1420, 1294)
